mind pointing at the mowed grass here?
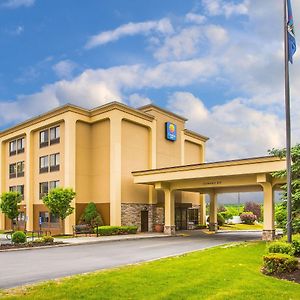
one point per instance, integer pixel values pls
(226, 272)
(242, 227)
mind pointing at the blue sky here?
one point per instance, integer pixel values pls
(219, 63)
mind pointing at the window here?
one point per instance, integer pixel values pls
(54, 218)
(21, 145)
(21, 217)
(54, 135)
(44, 164)
(12, 171)
(53, 184)
(193, 215)
(44, 140)
(20, 189)
(12, 188)
(44, 217)
(20, 168)
(13, 148)
(54, 162)
(48, 220)
(43, 189)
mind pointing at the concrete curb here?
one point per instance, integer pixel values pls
(85, 243)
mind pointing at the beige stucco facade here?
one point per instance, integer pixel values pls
(95, 152)
(245, 175)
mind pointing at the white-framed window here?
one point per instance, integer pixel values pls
(54, 135)
(44, 138)
(53, 184)
(21, 145)
(44, 164)
(54, 162)
(12, 148)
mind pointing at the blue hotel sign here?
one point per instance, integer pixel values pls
(171, 131)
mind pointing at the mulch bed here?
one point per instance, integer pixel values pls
(27, 245)
(293, 276)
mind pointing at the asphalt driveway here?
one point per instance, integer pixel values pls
(29, 266)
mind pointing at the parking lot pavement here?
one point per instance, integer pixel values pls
(25, 267)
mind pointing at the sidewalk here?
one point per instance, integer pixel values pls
(79, 240)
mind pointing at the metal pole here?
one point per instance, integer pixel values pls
(288, 127)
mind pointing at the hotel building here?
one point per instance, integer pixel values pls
(95, 152)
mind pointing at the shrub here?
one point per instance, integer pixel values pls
(221, 208)
(91, 216)
(19, 237)
(220, 219)
(200, 226)
(47, 239)
(234, 210)
(248, 217)
(116, 230)
(255, 208)
(280, 216)
(226, 215)
(279, 263)
(281, 247)
(295, 243)
(37, 241)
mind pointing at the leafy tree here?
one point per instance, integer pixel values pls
(9, 204)
(281, 214)
(91, 216)
(58, 201)
(255, 208)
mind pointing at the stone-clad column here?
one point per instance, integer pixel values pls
(169, 212)
(213, 211)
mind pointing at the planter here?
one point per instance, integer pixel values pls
(158, 227)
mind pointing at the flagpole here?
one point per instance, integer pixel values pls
(288, 127)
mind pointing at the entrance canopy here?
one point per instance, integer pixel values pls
(243, 175)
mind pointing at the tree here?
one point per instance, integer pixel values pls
(281, 215)
(91, 216)
(58, 201)
(9, 204)
(255, 208)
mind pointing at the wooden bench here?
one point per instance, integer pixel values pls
(82, 229)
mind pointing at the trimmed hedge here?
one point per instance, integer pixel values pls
(19, 237)
(276, 263)
(116, 230)
(295, 243)
(45, 239)
(281, 247)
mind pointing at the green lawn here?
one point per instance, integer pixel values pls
(226, 272)
(242, 227)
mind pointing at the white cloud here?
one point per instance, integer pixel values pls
(235, 128)
(64, 68)
(162, 26)
(96, 87)
(195, 18)
(190, 42)
(17, 3)
(136, 100)
(226, 8)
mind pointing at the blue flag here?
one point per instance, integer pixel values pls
(291, 32)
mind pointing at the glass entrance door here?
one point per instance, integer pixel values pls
(181, 218)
